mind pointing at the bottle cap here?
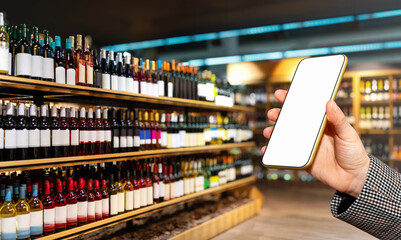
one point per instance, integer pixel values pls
(104, 183)
(35, 190)
(59, 186)
(82, 113)
(8, 194)
(10, 109)
(1, 19)
(79, 40)
(43, 110)
(96, 184)
(32, 110)
(81, 183)
(90, 185)
(98, 113)
(111, 55)
(47, 187)
(21, 109)
(90, 113)
(22, 191)
(70, 184)
(68, 43)
(73, 112)
(105, 112)
(127, 60)
(119, 57)
(54, 111)
(2, 190)
(62, 112)
(53, 45)
(58, 41)
(103, 53)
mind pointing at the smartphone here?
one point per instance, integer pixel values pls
(301, 122)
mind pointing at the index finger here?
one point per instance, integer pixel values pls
(280, 95)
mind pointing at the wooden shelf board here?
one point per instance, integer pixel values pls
(380, 131)
(61, 90)
(79, 160)
(376, 102)
(343, 102)
(133, 214)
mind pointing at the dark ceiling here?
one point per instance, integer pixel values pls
(119, 21)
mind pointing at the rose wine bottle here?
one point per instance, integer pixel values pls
(120, 192)
(173, 182)
(88, 63)
(105, 200)
(100, 138)
(167, 182)
(49, 213)
(61, 208)
(161, 180)
(91, 202)
(79, 62)
(156, 184)
(74, 131)
(72, 208)
(22, 134)
(36, 214)
(107, 132)
(82, 198)
(69, 63)
(83, 133)
(91, 133)
(143, 188)
(135, 75)
(149, 186)
(98, 202)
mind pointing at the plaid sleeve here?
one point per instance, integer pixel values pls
(377, 210)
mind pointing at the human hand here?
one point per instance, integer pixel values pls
(341, 160)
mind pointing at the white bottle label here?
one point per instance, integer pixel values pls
(114, 82)
(137, 141)
(137, 199)
(34, 138)
(182, 138)
(75, 137)
(72, 212)
(48, 68)
(122, 84)
(89, 75)
(130, 84)
(37, 66)
(107, 135)
(49, 216)
(113, 204)
(160, 87)
(144, 88)
(98, 208)
(10, 139)
(161, 189)
(129, 200)
(23, 226)
(71, 76)
(163, 140)
(45, 138)
(144, 193)
(123, 141)
(23, 64)
(36, 222)
(100, 136)
(81, 72)
(105, 206)
(91, 209)
(170, 89)
(61, 214)
(156, 190)
(121, 204)
(106, 81)
(60, 75)
(186, 186)
(56, 137)
(136, 87)
(167, 191)
(22, 138)
(116, 142)
(4, 59)
(1, 138)
(82, 209)
(149, 197)
(10, 57)
(83, 136)
(150, 89)
(92, 136)
(9, 228)
(65, 137)
(130, 141)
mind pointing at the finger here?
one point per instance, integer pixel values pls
(337, 119)
(273, 113)
(280, 95)
(267, 132)
(262, 150)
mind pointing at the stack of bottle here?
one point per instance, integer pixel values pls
(41, 202)
(397, 116)
(32, 133)
(375, 89)
(375, 117)
(378, 146)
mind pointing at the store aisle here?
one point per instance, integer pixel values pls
(294, 212)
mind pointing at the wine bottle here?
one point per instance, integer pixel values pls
(64, 133)
(148, 139)
(129, 192)
(113, 196)
(56, 133)
(160, 79)
(128, 75)
(48, 61)
(149, 185)
(72, 208)
(163, 132)
(135, 75)
(91, 202)
(122, 84)
(120, 192)
(45, 133)
(156, 184)
(4, 47)
(105, 200)
(123, 130)
(170, 132)
(8, 217)
(74, 133)
(153, 132)
(142, 77)
(107, 133)
(91, 133)
(79, 62)
(23, 57)
(159, 163)
(115, 129)
(130, 131)
(33, 134)
(137, 137)
(167, 183)
(37, 58)
(82, 206)
(59, 62)
(10, 134)
(1, 135)
(97, 74)
(36, 214)
(155, 78)
(100, 137)
(104, 68)
(23, 214)
(69, 63)
(15, 191)
(13, 50)
(98, 202)
(175, 79)
(49, 213)
(83, 133)
(60, 204)
(135, 185)
(22, 134)
(88, 63)
(148, 78)
(182, 131)
(112, 71)
(142, 186)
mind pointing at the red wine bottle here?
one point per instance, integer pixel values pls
(130, 131)
(115, 128)
(64, 133)
(74, 131)
(10, 134)
(123, 130)
(107, 132)
(91, 133)
(56, 133)
(22, 134)
(45, 133)
(61, 208)
(83, 133)
(137, 132)
(98, 202)
(33, 134)
(72, 208)
(100, 138)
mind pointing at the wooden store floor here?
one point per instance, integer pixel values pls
(294, 213)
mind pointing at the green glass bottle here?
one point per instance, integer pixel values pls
(36, 208)
(4, 47)
(37, 58)
(23, 216)
(8, 217)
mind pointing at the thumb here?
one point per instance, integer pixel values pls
(337, 119)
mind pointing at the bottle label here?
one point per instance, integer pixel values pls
(113, 204)
(144, 88)
(156, 190)
(136, 87)
(37, 66)
(83, 136)
(36, 222)
(100, 136)
(182, 138)
(2, 138)
(123, 141)
(22, 138)
(71, 76)
(23, 226)
(9, 228)
(148, 139)
(172, 189)
(61, 214)
(167, 191)
(82, 208)
(149, 196)
(114, 82)
(122, 84)
(10, 139)
(107, 135)
(116, 142)
(65, 137)
(89, 74)
(81, 71)
(72, 213)
(105, 207)
(130, 84)
(144, 201)
(142, 137)
(106, 81)
(91, 209)
(160, 87)
(199, 182)
(23, 64)
(181, 188)
(92, 136)
(121, 204)
(186, 186)
(170, 89)
(49, 217)
(161, 189)
(163, 139)
(48, 68)
(192, 185)
(56, 137)
(154, 136)
(10, 57)
(200, 89)
(137, 141)
(98, 209)
(75, 137)
(129, 200)
(150, 89)
(4, 56)
(137, 199)
(60, 75)
(169, 140)
(45, 138)
(130, 141)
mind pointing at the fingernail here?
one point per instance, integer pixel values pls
(334, 106)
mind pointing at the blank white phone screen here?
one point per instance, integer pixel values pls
(302, 115)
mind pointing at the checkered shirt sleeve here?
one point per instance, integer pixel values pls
(377, 210)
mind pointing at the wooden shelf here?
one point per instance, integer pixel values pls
(343, 102)
(51, 90)
(380, 131)
(146, 210)
(79, 160)
(376, 102)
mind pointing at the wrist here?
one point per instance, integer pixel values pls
(359, 178)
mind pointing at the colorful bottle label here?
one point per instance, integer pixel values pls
(129, 200)
(23, 64)
(148, 139)
(72, 214)
(10, 139)
(60, 75)
(9, 228)
(23, 226)
(113, 204)
(154, 136)
(137, 199)
(71, 76)
(36, 222)
(33, 138)
(48, 68)
(22, 138)
(37, 66)
(121, 203)
(142, 137)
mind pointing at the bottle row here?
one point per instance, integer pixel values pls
(377, 147)
(25, 135)
(41, 202)
(375, 89)
(345, 90)
(397, 116)
(377, 117)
